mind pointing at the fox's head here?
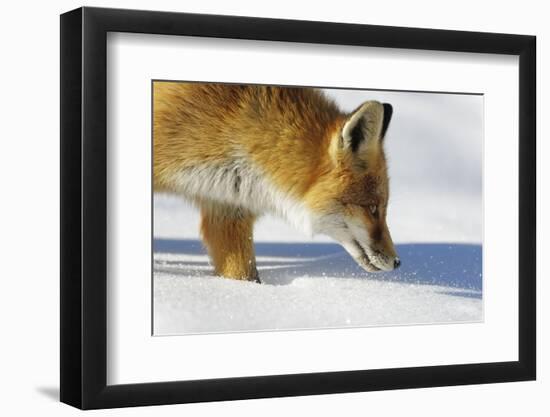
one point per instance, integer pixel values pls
(350, 199)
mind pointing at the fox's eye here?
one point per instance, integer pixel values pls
(373, 209)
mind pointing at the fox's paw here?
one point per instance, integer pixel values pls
(240, 275)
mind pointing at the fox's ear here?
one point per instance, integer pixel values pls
(365, 126)
(388, 113)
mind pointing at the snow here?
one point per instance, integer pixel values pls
(314, 285)
(434, 148)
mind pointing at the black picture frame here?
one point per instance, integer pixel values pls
(84, 207)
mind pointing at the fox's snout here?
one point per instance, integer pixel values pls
(384, 262)
(382, 251)
(371, 258)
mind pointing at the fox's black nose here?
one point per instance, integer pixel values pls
(396, 263)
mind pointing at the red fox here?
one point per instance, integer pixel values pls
(239, 151)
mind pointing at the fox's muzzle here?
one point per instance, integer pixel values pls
(371, 259)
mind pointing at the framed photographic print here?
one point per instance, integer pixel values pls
(257, 207)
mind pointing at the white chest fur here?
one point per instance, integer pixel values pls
(240, 184)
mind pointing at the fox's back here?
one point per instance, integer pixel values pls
(278, 130)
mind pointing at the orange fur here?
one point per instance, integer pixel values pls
(206, 122)
(227, 234)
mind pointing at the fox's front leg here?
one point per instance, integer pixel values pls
(227, 234)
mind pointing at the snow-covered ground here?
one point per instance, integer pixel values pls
(434, 148)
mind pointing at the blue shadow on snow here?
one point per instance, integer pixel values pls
(446, 264)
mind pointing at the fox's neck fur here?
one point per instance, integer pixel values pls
(244, 153)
